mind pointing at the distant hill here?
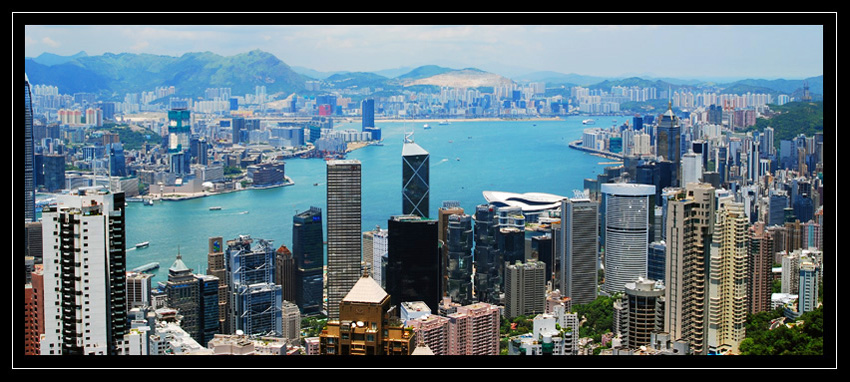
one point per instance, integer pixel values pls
(113, 75)
(357, 80)
(423, 72)
(793, 119)
(778, 86)
(51, 59)
(555, 78)
(464, 78)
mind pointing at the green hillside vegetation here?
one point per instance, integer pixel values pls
(804, 338)
(132, 139)
(792, 119)
(599, 316)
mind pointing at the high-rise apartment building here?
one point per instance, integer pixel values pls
(728, 279)
(414, 270)
(84, 274)
(578, 249)
(343, 225)
(759, 269)
(644, 303)
(308, 251)
(627, 214)
(474, 330)
(690, 225)
(34, 311)
(525, 288)
(415, 176)
(807, 295)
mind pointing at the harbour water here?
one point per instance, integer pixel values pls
(467, 157)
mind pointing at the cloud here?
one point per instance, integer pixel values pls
(48, 41)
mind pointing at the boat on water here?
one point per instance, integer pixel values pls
(315, 184)
(427, 126)
(243, 213)
(147, 267)
(148, 202)
(446, 122)
(588, 122)
(143, 244)
(457, 159)
(216, 208)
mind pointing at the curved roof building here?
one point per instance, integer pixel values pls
(529, 202)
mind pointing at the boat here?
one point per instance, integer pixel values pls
(451, 141)
(216, 208)
(588, 122)
(143, 244)
(457, 159)
(315, 184)
(147, 267)
(148, 202)
(426, 126)
(446, 122)
(243, 213)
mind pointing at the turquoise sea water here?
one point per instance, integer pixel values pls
(467, 158)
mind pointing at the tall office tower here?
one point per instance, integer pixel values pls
(728, 279)
(413, 260)
(84, 274)
(344, 202)
(759, 267)
(690, 225)
(255, 300)
(525, 288)
(29, 161)
(415, 176)
(807, 295)
(778, 203)
(578, 249)
(656, 258)
(644, 307)
(365, 325)
(367, 251)
(380, 246)
(216, 267)
(179, 128)
(691, 171)
(627, 212)
(449, 207)
(486, 257)
(208, 302)
(668, 143)
(510, 237)
(183, 295)
(457, 266)
(474, 330)
(367, 112)
(34, 245)
(308, 251)
(541, 245)
(284, 273)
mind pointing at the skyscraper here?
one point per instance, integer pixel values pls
(255, 300)
(208, 303)
(578, 249)
(183, 295)
(308, 251)
(415, 178)
(690, 224)
(668, 144)
(486, 257)
(458, 260)
(367, 112)
(759, 266)
(808, 281)
(284, 273)
(728, 279)
(29, 160)
(448, 208)
(414, 270)
(525, 288)
(343, 222)
(84, 274)
(628, 214)
(644, 301)
(216, 267)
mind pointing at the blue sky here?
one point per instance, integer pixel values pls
(681, 51)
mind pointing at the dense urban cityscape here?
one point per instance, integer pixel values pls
(701, 234)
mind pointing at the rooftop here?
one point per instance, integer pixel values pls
(366, 289)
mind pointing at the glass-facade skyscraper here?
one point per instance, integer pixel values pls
(415, 178)
(413, 260)
(627, 213)
(29, 161)
(308, 251)
(255, 300)
(669, 142)
(458, 267)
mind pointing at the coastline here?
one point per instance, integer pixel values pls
(180, 196)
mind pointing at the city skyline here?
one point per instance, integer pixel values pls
(698, 51)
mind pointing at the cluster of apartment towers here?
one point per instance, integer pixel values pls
(712, 274)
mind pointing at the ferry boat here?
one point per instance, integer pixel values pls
(143, 244)
(216, 208)
(426, 126)
(588, 122)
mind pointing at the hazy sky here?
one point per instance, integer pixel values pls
(683, 51)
